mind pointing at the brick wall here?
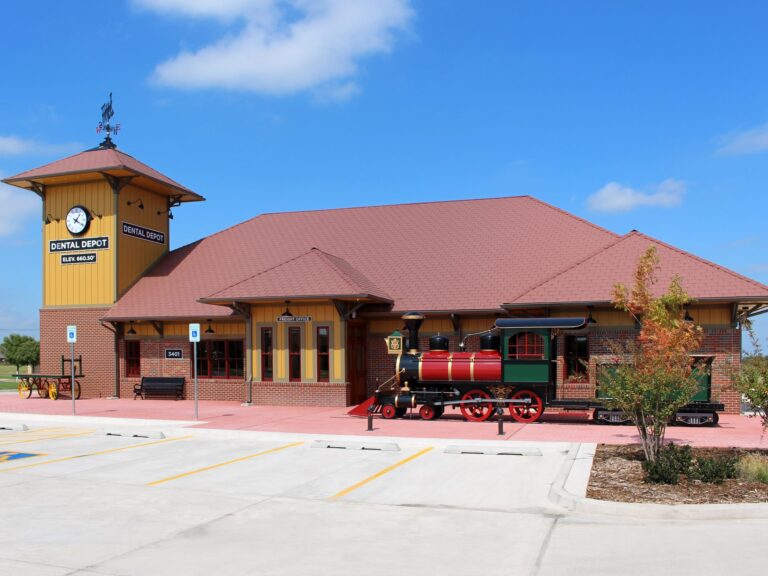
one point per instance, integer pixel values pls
(724, 343)
(154, 363)
(95, 343)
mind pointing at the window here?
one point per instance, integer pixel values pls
(132, 358)
(526, 346)
(576, 356)
(323, 354)
(294, 354)
(220, 359)
(266, 355)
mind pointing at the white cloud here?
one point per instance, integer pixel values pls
(283, 46)
(744, 142)
(15, 146)
(615, 197)
(18, 207)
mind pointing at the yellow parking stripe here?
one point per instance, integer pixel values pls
(219, 465)
(380, 473)
(42, 438)
(28, 433)
(94, 453)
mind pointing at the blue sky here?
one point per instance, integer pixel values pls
(634, 115)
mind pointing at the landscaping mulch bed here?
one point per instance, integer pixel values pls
(617, 475)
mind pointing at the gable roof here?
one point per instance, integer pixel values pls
(463, 255)
(591, 280)
(313, 274)
(102, 160)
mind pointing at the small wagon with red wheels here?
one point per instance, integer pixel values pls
(515, 369)
(52, 385)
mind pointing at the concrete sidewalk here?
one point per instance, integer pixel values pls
(733, 430)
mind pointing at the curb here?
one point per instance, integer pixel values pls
(569, 491)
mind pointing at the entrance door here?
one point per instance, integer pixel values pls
(357, 361)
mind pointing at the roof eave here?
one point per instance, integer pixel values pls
(187, 195)
(294, 298)
(569, 304)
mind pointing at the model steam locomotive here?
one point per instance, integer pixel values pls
(515, 368)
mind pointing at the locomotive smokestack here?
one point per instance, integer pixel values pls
(413, 321)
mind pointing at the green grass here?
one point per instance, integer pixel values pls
(7, 381)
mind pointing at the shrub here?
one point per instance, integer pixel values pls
(754, 467)
(716, 469)
(671, 462)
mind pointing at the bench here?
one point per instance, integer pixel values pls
(159, 386)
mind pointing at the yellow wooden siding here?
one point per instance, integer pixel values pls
(181, 330)
(79, 284)
(323, 314)
(134, 254)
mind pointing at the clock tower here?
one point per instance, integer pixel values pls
(105, 221)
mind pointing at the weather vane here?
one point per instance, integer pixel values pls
(106, 115)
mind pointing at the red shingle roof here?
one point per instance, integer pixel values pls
(313, 274)
(467, 255)
(592, 279)
(99, 160)
(438, 256)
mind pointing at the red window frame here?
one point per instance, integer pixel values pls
(132, 358)
(294, 354)
(217, 358)
(267, 354)
(526, 346)
(323, 354)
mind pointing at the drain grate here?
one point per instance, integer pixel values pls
(493, 450)
(373, 446)
(141, 434)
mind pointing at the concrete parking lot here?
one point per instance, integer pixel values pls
(156, 498)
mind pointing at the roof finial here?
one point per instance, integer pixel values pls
(106, 115)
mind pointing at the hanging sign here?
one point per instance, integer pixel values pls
(78, 244)
(143, 233)
(174, 354)
(294, 318)
(85, 258)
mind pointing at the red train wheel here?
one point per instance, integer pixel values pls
(526, 413)
(479, 412)
(388, 411)
(428, 412)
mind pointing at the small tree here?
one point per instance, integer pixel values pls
(752, 380)
(21, 350)
(658, 378)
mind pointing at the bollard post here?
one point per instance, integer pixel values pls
(370, 421)
(500, 413)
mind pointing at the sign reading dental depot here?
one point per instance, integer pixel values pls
(143, 233)
(78, 244)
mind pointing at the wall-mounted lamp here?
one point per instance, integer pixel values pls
(49, 219)
(95, 215)
(209, 330)
(137, 201)
(170, 214)
(687, 317)
(591, 320)
(287, 311)
(131, 331)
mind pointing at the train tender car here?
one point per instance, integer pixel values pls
(516, 368)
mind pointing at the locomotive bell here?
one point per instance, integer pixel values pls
(413, 321)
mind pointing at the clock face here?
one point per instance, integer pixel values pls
(78, 220)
